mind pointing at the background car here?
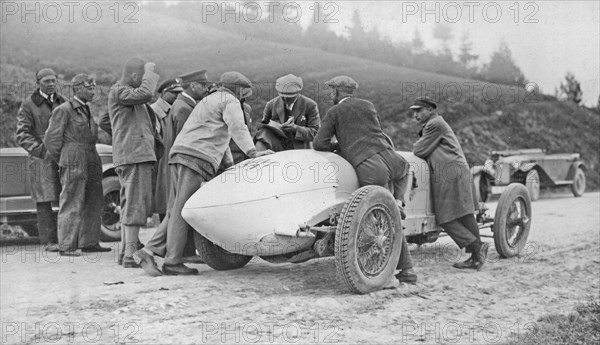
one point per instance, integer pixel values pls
(531, 167)
(17, 207)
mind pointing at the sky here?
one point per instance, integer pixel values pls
(547, 38)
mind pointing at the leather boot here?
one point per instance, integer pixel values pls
(481, 253)
(467, 264)
(180, 269)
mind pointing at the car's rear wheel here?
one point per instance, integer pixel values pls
(216, 257)
(368, 239)
(111, 211)
(512, 220)
(578, 186)
(532, 182)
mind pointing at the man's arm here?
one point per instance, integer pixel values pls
(104, 123)
(234, 118)
(140, 95)
(313, 123)
(430, 140)
(322, 141)
(53, 140)
(267, 113)
(25, 133)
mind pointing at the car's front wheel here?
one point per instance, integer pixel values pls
(111, 211)
(216, 257)
(368, 239)
(532, 182)
(578, 186)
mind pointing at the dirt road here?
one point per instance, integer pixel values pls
(51, 299)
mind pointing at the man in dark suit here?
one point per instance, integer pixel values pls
(290, 120)
(32, 121)
(361, 141)
(193, 90)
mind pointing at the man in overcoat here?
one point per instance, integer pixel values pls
(193, 90)
(134, 155)
(361, 141)
(450, 182)
(196, 156)
(71, 141)
(295, 118)
(44, 184)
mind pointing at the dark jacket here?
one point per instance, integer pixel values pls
(180, 111)
(32, 121)
(306, 116)
(133, 139)
(358, 130)
(450, 175)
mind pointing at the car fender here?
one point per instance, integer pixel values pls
(573, 169)
(108, 170)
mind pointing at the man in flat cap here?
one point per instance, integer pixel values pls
(361, 141)
(44, 184)
(71, 141)
(196, 156)
(452, 193)
(134, 150)
(291, 120)
(195, 87)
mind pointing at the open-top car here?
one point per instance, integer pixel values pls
(531, 167)
(17, 207)
(296, 205)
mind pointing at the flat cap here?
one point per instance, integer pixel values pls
(197, 76)
(235, 78)
(289, 85)
(84, 79)
(172, 85)
(44, 72)
(342, 81)
(423, 102)
(246, 92)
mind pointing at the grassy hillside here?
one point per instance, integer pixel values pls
(508, 117)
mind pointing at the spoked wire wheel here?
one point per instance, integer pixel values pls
(512, 220)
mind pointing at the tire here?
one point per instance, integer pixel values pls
(111, 211)
(578, 186)
(482, 188)
(512, 220)
(532, 182)
(216, 257)
(370, 214)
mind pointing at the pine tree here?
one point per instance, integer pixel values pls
(571, 90)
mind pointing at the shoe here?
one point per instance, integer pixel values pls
(68, 253)
(467, 264)
(129, 262)
(482, 255)
(181, 269)
(95, 248)
(147, 262)
(193, 259)
(407, 276)
(52, 247)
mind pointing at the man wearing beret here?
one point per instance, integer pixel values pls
(133, 146)
(361, 141)
(71, 141)
(452, 194)
(196, 156)
(295, 118)
(195, 88)
(44, 184)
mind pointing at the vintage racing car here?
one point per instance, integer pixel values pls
(17, 208)
(296, 205)
(531, 167)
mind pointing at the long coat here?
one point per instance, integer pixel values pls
(180, 111)
(71, 141)
(133, 139)
(163, 187)
(32, 121)
(306, 117)
(450, 175)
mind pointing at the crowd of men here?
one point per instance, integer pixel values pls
(164, 151)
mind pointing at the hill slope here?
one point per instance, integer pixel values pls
(484, 117)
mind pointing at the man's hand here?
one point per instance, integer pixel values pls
(264, 153)
(289, 127)
(149, 67)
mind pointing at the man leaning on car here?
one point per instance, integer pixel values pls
(71, 141)
(32, 122)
